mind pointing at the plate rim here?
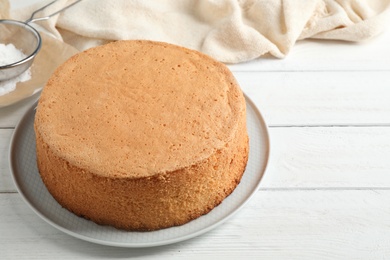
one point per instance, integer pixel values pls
(201, 231)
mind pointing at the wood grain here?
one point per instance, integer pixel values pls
(325, 157)
(273, 225)
(319, 98)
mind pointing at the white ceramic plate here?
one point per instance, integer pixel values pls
(34, 192)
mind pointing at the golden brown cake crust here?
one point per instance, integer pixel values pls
(141, 135)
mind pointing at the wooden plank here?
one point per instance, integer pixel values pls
(333, 224)
(328, 157)
(306, 157)
(319, 98)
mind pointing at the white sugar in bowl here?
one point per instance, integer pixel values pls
(25, 39)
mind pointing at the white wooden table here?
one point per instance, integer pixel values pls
(325, 195)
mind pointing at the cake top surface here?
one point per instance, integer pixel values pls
(138, 108)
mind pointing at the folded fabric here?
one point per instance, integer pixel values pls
(231, 31)
(4, 9)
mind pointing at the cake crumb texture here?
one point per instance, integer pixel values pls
(141, 135)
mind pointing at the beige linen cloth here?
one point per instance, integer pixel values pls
(231, 31)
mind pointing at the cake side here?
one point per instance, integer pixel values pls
(148, 203)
